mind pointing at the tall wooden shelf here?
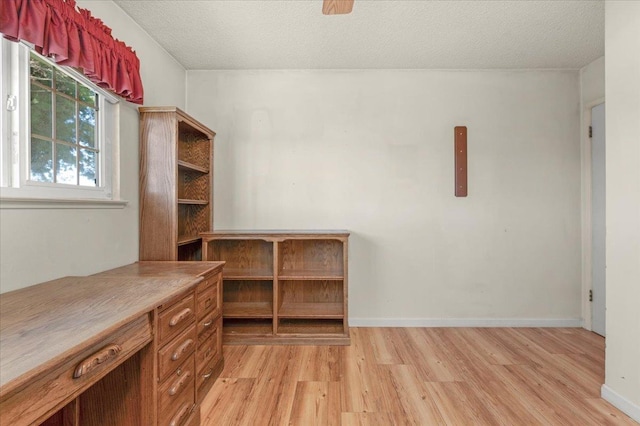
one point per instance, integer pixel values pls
(282, 286)
(176, 184)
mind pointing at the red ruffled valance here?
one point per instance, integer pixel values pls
(74, 38)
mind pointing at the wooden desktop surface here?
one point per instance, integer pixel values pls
(42, 324)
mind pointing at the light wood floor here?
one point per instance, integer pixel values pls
(418, 376)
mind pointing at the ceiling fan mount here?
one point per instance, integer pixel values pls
(337, 7)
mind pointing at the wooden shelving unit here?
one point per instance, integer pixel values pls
(176, 182)
(282, 287)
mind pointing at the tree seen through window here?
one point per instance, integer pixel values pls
(63, 127)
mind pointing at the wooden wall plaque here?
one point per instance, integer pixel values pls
(460, 156)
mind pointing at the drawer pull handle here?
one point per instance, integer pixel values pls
(206, 376)
(207, 303)
(91, 363)
(178, 385)
(177, 419)
(208, 323)
(179, 317)
(182, 349)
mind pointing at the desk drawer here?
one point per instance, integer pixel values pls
(174, 353)
(207, 376)
(187, 414)
(194, 418)
(210, 341)
(211, 337)
(176, 393)
(206, 351)
(175, 319)
(208, 281)
(208, 301)
(207, 326)
(59, 384)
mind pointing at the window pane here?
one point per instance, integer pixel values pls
(41, 71)
(86, 95)
(65, 119)
(65, 84)
(64, 142)
(87, 126)
(88, 169)
(40, 111)
(41, 160)
(66, 170)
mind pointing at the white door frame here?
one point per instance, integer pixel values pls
(587, 249)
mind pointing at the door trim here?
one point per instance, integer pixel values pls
(586, 221)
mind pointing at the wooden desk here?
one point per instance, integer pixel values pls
(82, 350)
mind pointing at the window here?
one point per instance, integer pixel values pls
(58, 130)
(63, 127)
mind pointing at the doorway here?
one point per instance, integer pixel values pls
(598, 220)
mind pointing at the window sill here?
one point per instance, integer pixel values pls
(44, 203)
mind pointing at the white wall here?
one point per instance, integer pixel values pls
(43, 244)
(622, 44)
(372, 152)
(592, 81)
(591, 94)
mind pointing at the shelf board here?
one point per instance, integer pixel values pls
(311, 310)
(247, 327)
(336, 339)
(314, 327)
(247, 310)
(192, 167)
(188, 239)
(247, 274)
(289, 234)
(192, 202)
(310, 274)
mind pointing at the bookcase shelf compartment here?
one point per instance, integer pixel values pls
(245, 259)
(192, 218)
(190, 250)
(194, 142)
(247, 299)
(311, 299)
(301, 257)
(193, 185)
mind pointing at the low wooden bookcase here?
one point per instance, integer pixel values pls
(284, 287)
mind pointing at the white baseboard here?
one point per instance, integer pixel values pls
(465, 322)
(620, 402)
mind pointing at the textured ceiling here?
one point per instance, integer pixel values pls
(392, 34)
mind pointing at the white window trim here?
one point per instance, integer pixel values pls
(59, 203)
(16, 191)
